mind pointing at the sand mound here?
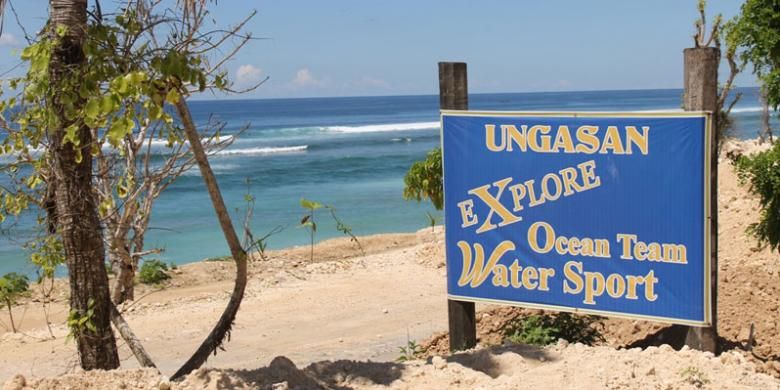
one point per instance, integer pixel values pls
(561, 366)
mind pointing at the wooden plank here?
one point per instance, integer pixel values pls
(453, 95)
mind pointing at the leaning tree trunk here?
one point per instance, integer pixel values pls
(222, 328)
(77, 214)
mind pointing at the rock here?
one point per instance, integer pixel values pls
(280, 386)
(385, 311)
(650, 372)
(562, 343)
(439, 363)
(18, 382)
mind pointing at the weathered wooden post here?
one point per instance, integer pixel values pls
(454, 95)
(701, 94)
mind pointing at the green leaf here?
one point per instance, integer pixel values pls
(173, 96)
(92, 109)
(71, 135)
(107, 104)
(310, 204)
(120, 127)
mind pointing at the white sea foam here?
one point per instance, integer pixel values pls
(263, 150)
(158, 142)
(384, 127)
(735, 110)
(746, 109)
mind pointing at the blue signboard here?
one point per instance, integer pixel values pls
(601, 213)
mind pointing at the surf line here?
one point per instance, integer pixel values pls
(565, 182)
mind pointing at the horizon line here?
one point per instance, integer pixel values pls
(433, 94)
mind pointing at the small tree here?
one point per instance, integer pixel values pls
(99, 87)
(12, 287)
(308, 223)
(424, 180)
(756, 32)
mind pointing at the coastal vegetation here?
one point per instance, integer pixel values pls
(762, 172)
(12, 287)
(100, 89)
(424, 180)
(153, 271)
(756, 32)
(545, 329)
(308, 223)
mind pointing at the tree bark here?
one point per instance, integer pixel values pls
(11, 316)
(132, 341)
(766, 128)
(222, 329)
(77, 215)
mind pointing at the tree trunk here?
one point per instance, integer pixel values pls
(123, 266)
(11, 316)
(77, 214)
(766, 129)
(222, 329)
(132, 341)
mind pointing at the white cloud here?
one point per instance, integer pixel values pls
(373, 83)
(248, 74)
(304, 78)
(8, 39)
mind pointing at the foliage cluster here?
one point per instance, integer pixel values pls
(424, 180)
(546, 329)
(412, 351)
(756, 31)
(80, 321)
(12, 287)
(762, 171)
(153, 271)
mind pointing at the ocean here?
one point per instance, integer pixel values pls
(350, 153)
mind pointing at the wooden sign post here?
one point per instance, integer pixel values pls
(701, 94)
(454, 95)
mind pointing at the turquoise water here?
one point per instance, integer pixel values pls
(351, 153)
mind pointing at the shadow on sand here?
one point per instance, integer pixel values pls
(341, 374)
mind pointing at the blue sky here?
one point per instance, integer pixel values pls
(372, 47)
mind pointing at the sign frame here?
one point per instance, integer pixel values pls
(706, 204)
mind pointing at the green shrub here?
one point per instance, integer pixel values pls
(12, 287)
(410, 352)
(424, 180)
(546, 329)
(153, 272)
(762, 171)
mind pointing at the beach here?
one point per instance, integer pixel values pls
(344, 310)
